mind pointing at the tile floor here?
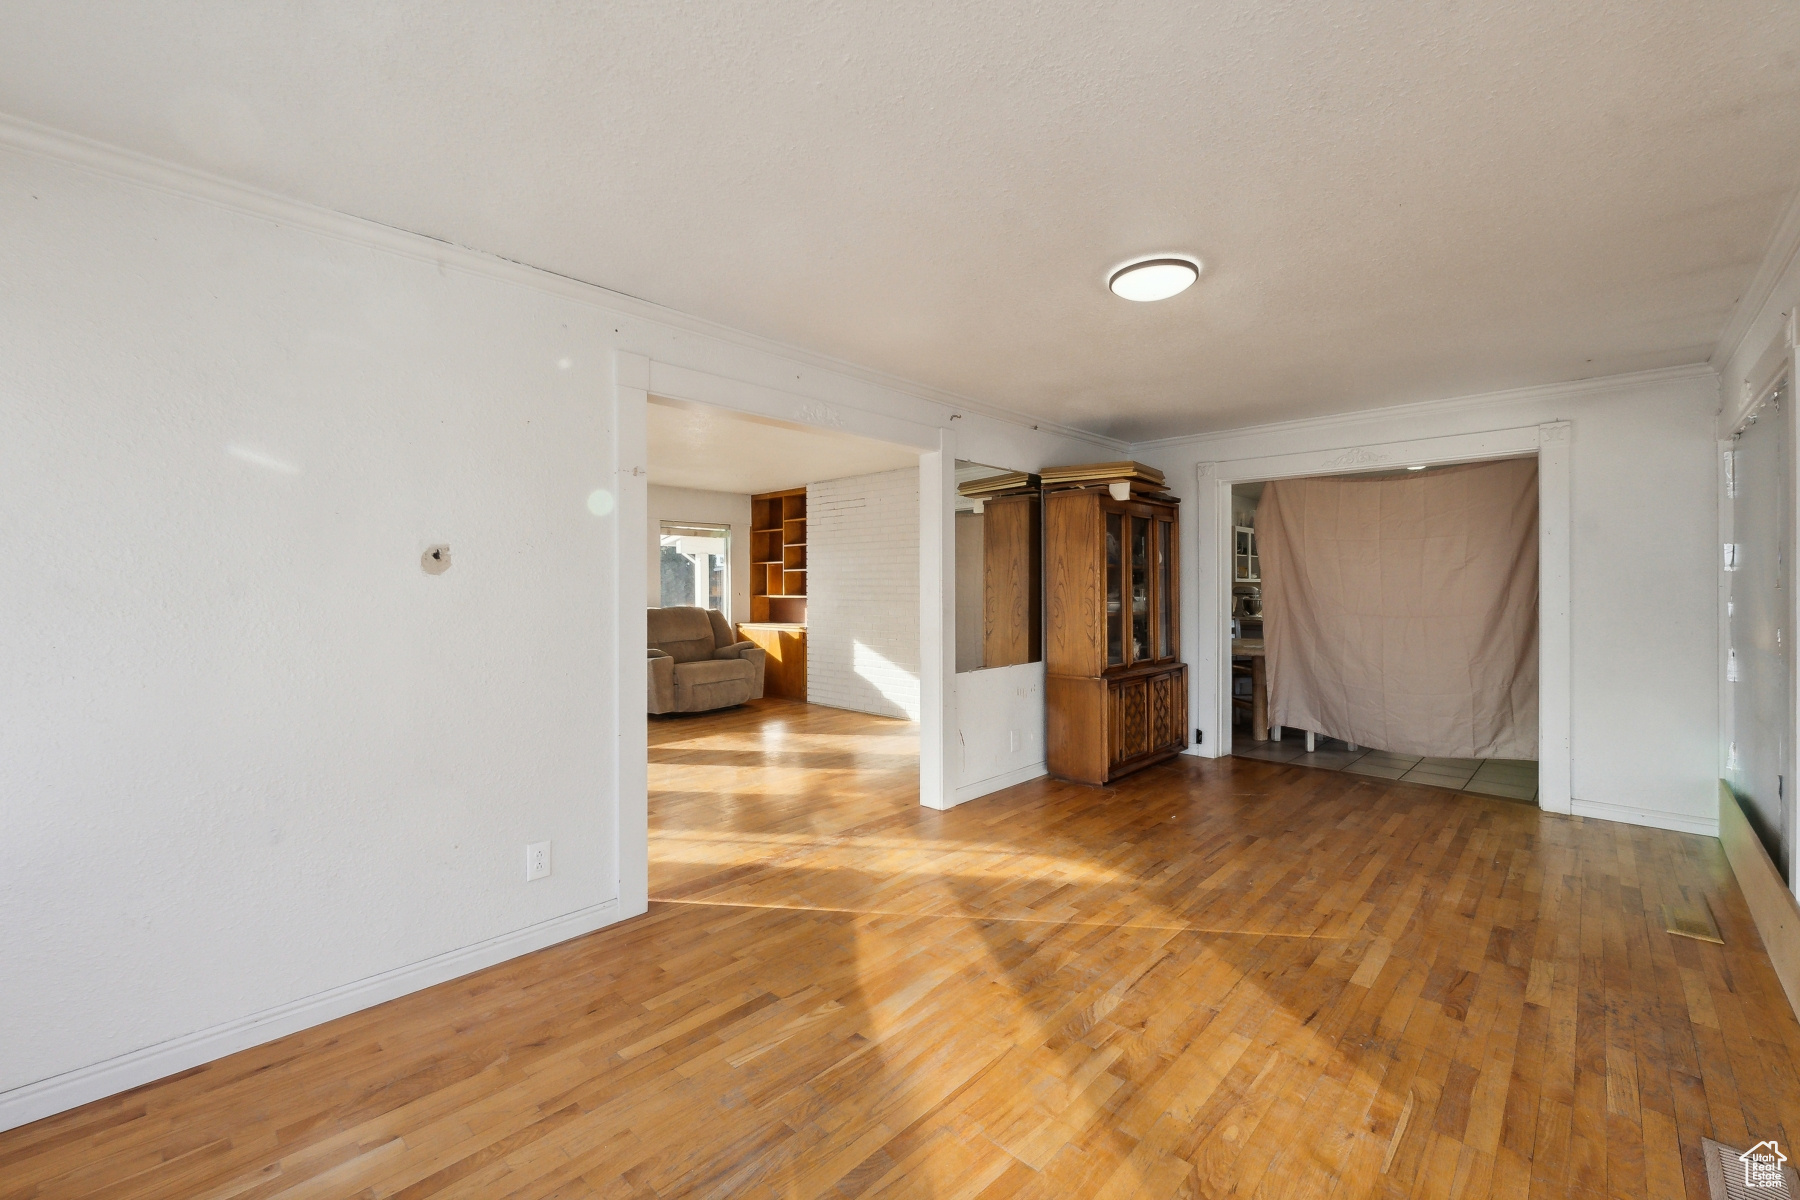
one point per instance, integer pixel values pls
(1506, 778)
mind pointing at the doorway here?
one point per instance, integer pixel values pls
(786, 555)
(1213, 700)
(1384, 624)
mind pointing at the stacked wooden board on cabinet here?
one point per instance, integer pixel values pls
(1101, 473)
(1115, 690)
(1007, 483)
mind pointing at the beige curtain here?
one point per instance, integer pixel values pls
(1401, 613)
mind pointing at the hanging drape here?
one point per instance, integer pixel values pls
(1401, 613)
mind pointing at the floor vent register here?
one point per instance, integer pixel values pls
(1760, 1173)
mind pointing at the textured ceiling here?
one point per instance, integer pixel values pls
(1395, 200)
(715, 450)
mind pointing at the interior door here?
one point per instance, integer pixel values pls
(1760, 606)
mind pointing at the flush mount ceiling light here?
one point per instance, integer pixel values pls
(1155, 277)
(1418, 467)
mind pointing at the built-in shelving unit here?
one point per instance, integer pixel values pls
(778, 557)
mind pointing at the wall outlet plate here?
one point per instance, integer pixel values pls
(537, 861)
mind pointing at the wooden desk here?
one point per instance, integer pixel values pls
(785, 675)
(1255, 650)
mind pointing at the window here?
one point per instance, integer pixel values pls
(695, 565)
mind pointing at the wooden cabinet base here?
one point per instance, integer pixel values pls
(784, 678)
(1101, 728)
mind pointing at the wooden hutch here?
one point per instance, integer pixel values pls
(778, 589)
(1115, 690)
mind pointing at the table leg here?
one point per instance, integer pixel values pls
(1259, 699)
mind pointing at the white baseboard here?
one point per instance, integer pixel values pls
(1655, 818)
(994, 783)
(59, 1093)
(1771, 902)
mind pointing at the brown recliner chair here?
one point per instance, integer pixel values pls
(695, 666)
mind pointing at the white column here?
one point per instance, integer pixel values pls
(1206, 610)
(630, 521)
(1555, 702)
(938, 760)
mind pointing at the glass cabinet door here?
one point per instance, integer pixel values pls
(1140, 588)
(1165, 589)
(1115, 615)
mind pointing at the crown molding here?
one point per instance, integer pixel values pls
(129, 166)
(1777, 260)
(1573, 390)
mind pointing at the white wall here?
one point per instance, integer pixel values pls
(708, 508)
(258, 769)
(1643, 563)
(254, 753)
(862, 593)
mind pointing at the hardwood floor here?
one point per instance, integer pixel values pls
(1221, 977)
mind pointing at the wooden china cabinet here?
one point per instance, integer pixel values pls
(1115, 688)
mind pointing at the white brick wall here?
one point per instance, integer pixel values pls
(862, 583)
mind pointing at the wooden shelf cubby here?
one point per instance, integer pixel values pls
(778, 557)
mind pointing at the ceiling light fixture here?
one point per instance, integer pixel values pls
(1418, 467)
(1155, 277)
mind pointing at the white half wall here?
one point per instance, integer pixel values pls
(862, 593)
(1001, 739)
(1642, 562)
(708, 508)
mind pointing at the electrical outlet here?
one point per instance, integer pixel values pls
(1014, 740)
(537, 861)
